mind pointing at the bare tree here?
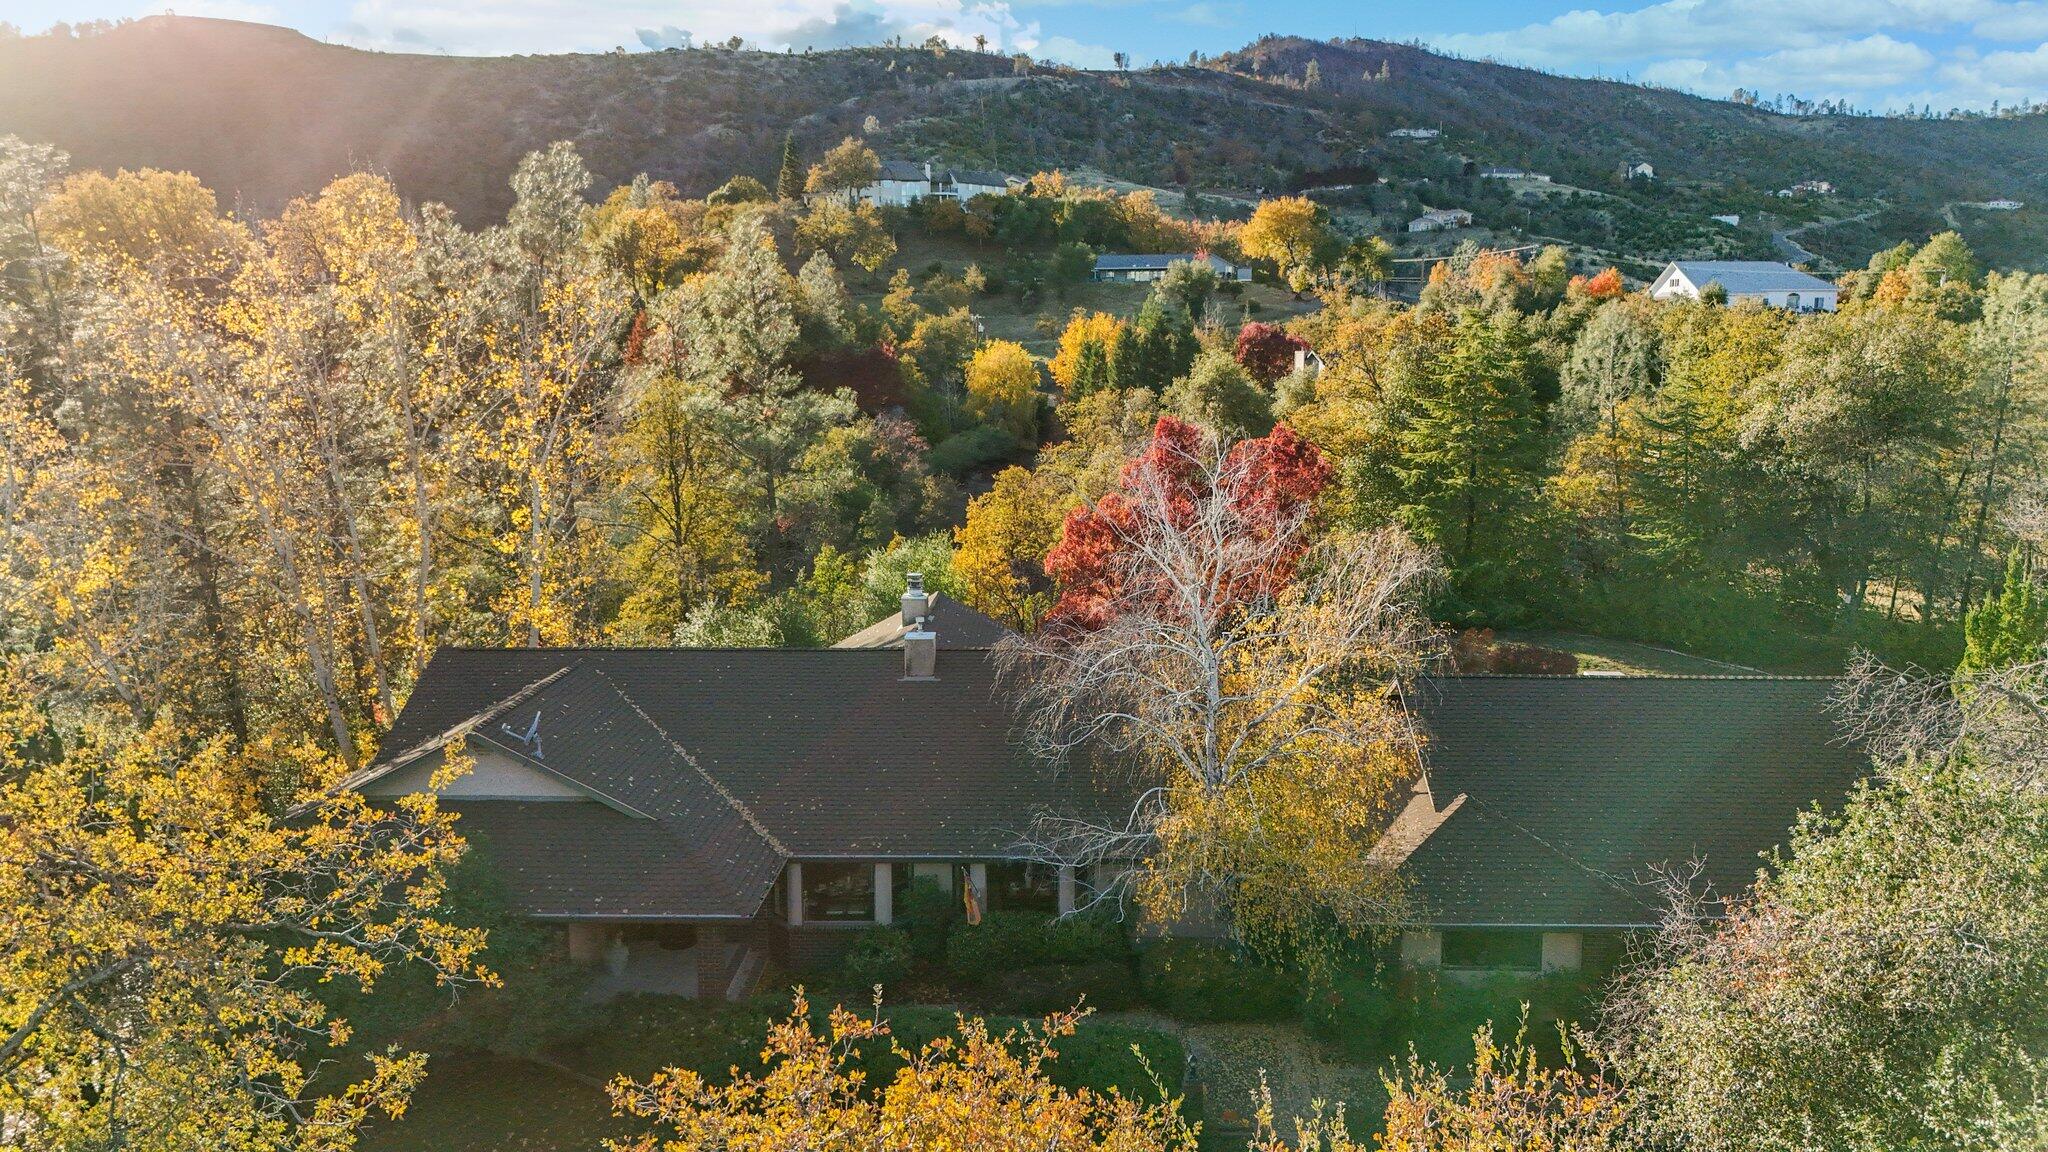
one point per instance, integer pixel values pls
(1246, 674)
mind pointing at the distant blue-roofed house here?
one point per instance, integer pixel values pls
(1153, 266)
(1766, 281)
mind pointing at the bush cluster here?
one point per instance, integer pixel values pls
(1201, 980)
(1007, 941)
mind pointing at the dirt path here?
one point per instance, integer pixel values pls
(1795, 253)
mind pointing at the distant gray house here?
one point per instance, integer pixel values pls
(1765, 281)
(905, 182)
(1151, 266)
(1440, 219)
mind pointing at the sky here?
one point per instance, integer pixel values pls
(1878, 54)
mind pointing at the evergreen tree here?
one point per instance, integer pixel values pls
(789, 182)
(1468, 454)
(2008, 627)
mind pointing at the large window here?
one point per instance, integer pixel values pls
(839, 892)
(1493, 948)
(1017, 886)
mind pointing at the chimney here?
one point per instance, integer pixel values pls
(916, 605)
(920, 655)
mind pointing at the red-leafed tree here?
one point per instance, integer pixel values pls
(1259, 492)
(1267, 350)
(1241, 662)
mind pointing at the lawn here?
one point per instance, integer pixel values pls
(473, 1102)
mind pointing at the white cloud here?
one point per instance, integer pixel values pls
(1821, 72)
(1709, 28)
(1062, 50)
(2023, 21)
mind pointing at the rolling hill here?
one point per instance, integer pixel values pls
(263, 114)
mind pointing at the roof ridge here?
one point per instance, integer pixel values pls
(471, 722)
(717, 786)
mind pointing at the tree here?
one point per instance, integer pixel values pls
(1879, 987)
(164, 946)
(1208, 643)
(1190, 283)
(854, 234)
(971, 1090)
(1294, 233)
(1081, 364)
(1267, 351)
(1219, 396)
(2009, 628)
(1468, 453)
(732, 332)
(789, 179)
(844, 170)
(1002, 387)
(1508, 1099)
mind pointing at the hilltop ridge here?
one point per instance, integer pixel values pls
(263, 114)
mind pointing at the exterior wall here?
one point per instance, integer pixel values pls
(1423, 949)
(496, 776)
(1815, 301)
(587, 941)
(1563, 951)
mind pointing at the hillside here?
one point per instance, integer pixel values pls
(263, 114)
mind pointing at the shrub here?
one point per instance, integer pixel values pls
(1373, 1018)
(975, 448)
(927, 911)
(1046, 988)
(1097, 1056)
(1199, 980)
(879, 956)
(1006, 941)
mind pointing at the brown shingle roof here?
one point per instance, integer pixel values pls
(1575, 788)
(1568, 790)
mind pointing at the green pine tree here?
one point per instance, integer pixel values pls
(2009, 626)
(789, 182)
(1468, 456)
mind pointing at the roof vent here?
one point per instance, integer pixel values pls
(920, 655)
(917, 607)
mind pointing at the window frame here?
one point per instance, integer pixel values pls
(821, 875)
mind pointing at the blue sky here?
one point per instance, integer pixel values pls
(1877, 53)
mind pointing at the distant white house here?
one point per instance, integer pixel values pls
(1809, 188)
(1414, 134)
(1512, 174)
(2002, 205)
(1638, 170)
(1439, 219)
(1149, 266)
(1766, 281)
(1729, 218)
(904, 182)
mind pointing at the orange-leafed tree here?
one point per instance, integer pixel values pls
(1240, 667)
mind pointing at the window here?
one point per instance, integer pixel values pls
(1792, 301)
(1493, 948)
(1018, 886)
(839, 892)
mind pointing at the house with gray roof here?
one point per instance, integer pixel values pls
(1766, 282)
(715, 810)
(905, 182)
(1147, 266)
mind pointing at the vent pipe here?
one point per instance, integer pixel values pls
(917, 607)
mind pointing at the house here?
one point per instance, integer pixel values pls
(1438, 219)
(1513, 174)
(1637, 170)
(699, 813)
(1151, 266)
(1729, 218)
(1808, 188)
(1414, 134)
(2002, 205)
(1767, 281)
(904, 182)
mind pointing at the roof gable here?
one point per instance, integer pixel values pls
(958, 626)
